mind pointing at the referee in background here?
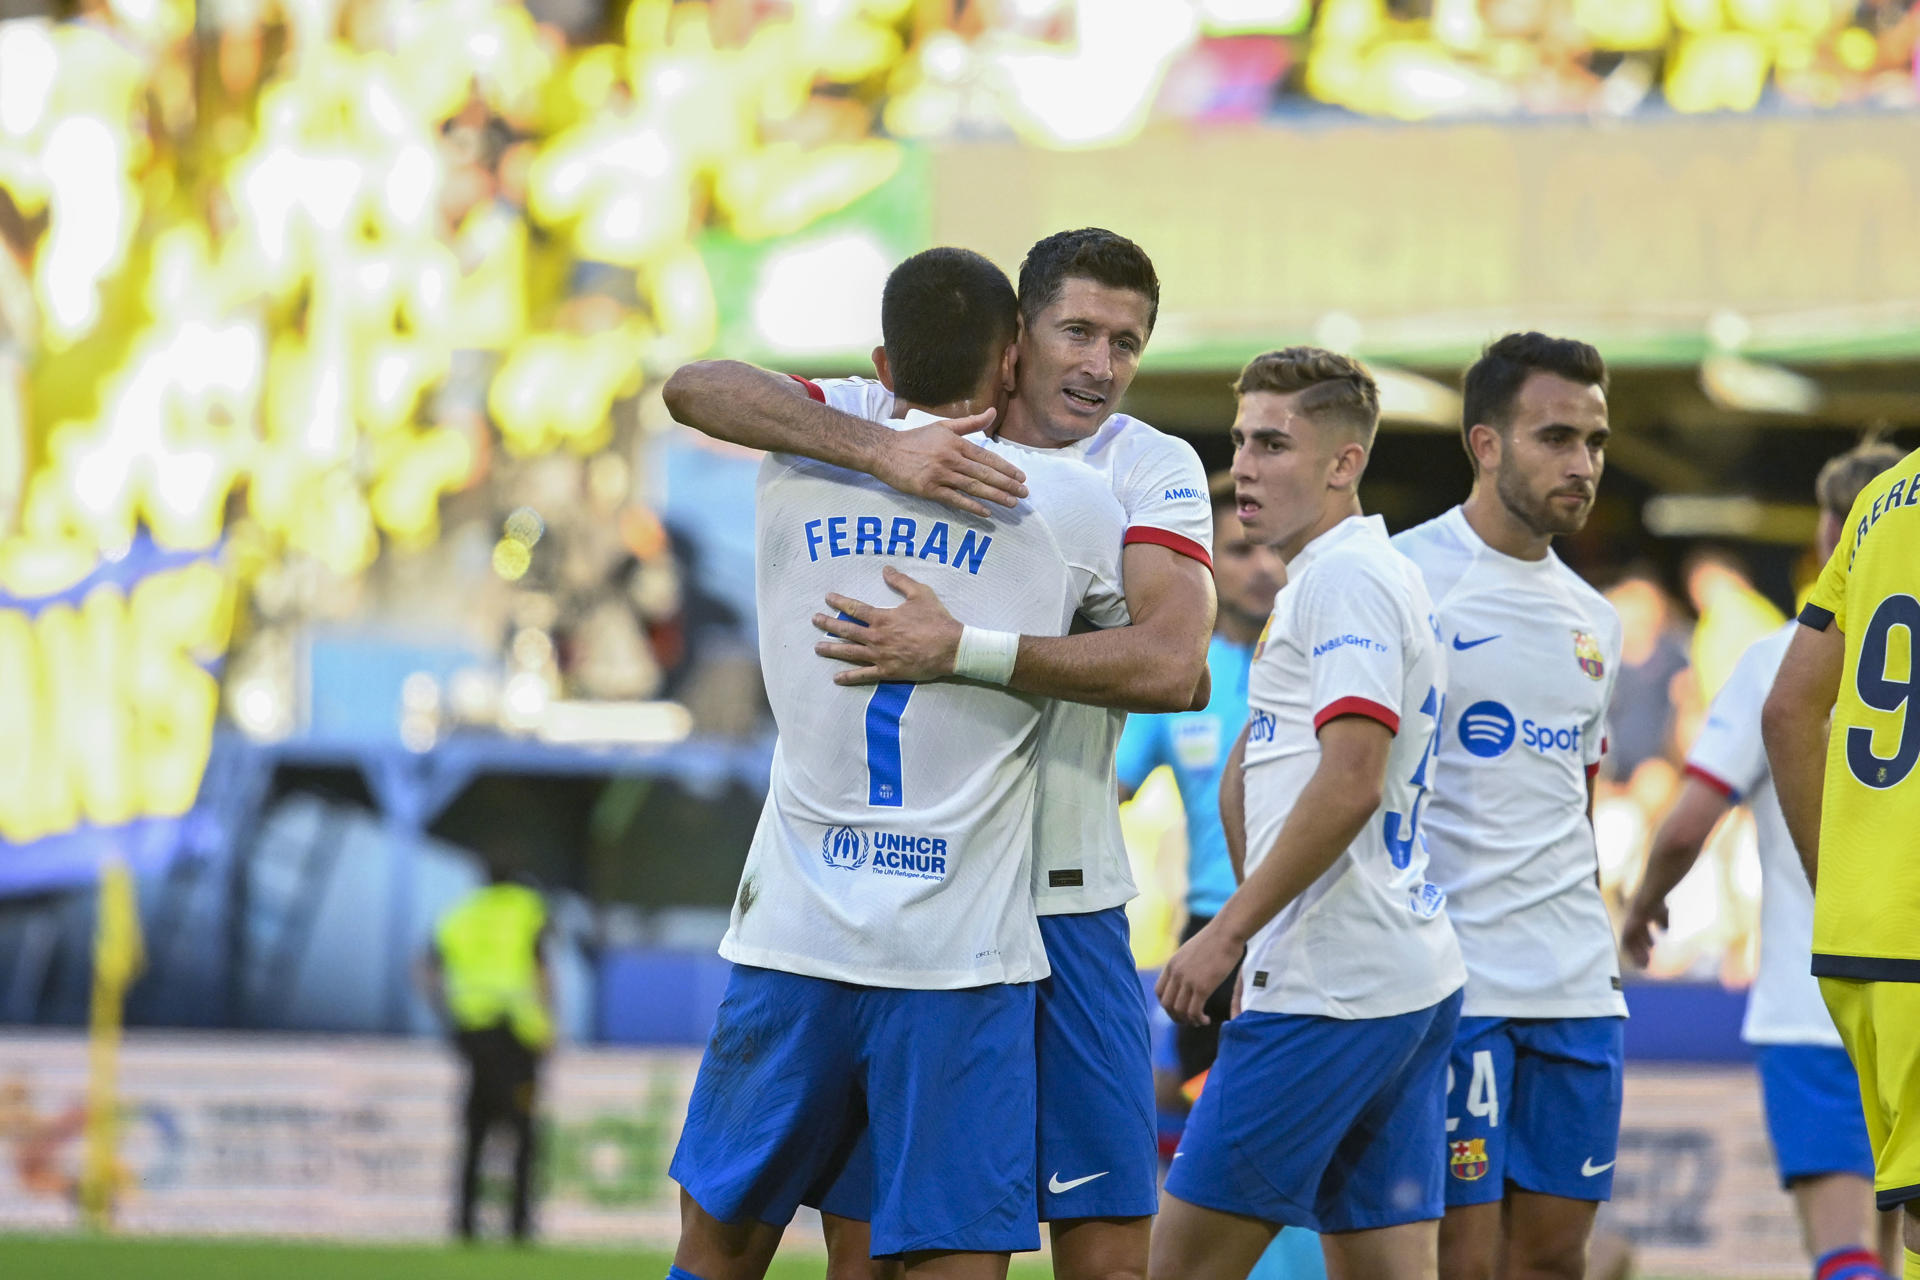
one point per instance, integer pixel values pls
(487, 974)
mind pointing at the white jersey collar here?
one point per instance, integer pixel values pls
(1548, 563)
(1374, 527)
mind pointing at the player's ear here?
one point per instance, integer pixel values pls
(1009, 366)
(881, 369)
(1349, 460)
(1486, 445)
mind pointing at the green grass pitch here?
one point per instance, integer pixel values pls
(148, 1258)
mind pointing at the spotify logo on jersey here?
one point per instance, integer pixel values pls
(1486, 729)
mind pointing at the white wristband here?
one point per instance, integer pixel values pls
(986, 656)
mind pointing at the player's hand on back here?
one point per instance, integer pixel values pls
(915, 641)
(1195, 972)
(1636, 931)
(937, 461)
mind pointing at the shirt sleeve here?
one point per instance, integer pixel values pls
(1728, 755)
(1355, 645)
(1827, 603)
(1593, 739)
(1139, 752)
(1165, 496)
(1084, 519)
(862, 397)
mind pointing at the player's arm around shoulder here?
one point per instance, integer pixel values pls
(742, 404)
(1151, 655)
(1159, 662)
(1156, 663)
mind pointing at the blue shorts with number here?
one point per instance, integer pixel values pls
(1099, 1143)
(1812, 1100)
(1534, 1102)
(1327, 1123)
(940, 1082)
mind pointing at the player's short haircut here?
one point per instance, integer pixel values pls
(1091, 253)
(1493, 382)
(1842, 479)
(1220, 490)
(945, 317)
(1334, 389)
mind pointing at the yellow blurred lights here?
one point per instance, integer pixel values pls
(1856, 49)
(524, 526)
(28, 66)
(511, 559)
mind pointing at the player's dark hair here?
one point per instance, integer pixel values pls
(1844, 476)
(1493, 382)
(1091, 253)
(1334, 388)
(946, 315)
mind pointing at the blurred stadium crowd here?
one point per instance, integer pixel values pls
(372, 295)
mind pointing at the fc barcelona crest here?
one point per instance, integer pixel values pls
(1586, 651)
(1467, 1160)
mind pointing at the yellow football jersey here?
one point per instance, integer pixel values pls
(1866, 922)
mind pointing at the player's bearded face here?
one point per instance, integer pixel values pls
(1552, 455)
(1076, 359)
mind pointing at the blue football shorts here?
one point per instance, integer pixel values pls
(940, 1083)
(1534, 1102)
(1099, 1149)
(1326, 1123)
(1812, 1099)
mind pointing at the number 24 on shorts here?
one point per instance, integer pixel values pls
(1483, 1093)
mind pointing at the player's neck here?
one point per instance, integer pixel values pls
(951, 409)
(1024, 427)
(1499, 528)
(1338, 508)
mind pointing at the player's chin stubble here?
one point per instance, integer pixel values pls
(1538, 514)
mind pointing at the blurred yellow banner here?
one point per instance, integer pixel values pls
(1796, 234)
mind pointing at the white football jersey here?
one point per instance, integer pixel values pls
(1531, 652)
(1080, 859)
(1785, 1005)
(1351, 634)
(895, 846)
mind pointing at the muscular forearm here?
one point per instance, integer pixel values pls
(749, 406)
(1155, 664)
(1127, 668)
(1794, 723)
(1233, 806)
(1796, 740)
(1333, 808)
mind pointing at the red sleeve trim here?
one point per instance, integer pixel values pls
(1593, 771)
(814, 389)
(1718, 784)
(1357, 707)
(1167, 538)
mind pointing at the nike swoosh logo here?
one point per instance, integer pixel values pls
(1056, 1186)
(1458, 643)
(1591, 1170)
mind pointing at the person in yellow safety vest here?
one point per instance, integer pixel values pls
(488, 975)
